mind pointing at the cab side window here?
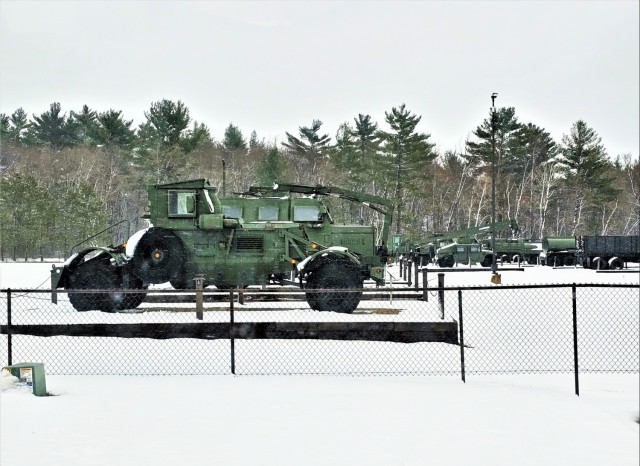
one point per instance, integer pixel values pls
(182, 203)
(306, 214)
(232, 211)
(267, 213)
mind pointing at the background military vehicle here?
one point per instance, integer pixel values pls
(591, 251)
(513, 250)
(459, 246)
(558, 250)
(267, 236)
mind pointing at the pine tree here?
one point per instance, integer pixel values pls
(343, 153)
(197, 136)
(14, 127)
(537, 147)
(83, 126)
(504, 125)
(112, 130)
(271, 168)
(51, 128)
(165, 141)
(166, 124)
(254, 142)
(233, 139)
(408, 154)
(585, 165)
(310, 148)
(367, 152)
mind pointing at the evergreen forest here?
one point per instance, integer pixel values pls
(67, 175)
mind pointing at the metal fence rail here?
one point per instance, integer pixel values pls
(445, 331)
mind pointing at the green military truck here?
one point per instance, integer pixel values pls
(283, 235)
(465, 246)
(450, 253)
(514, 250)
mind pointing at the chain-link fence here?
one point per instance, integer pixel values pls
(436, 331)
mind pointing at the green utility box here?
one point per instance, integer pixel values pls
(30, 374)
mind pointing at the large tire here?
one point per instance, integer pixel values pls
(181, 282)
(329, 278)
(487, 261)
(133, 300)
(95, 276)
(446, 261)
(569, 261)
(615, 263)
(159, 256)
(599, 263)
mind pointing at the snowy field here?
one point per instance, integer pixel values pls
(331, 420)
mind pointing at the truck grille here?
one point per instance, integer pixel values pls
(248, 243)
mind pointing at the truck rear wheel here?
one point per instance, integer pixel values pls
(133, 300)
(599, 263)
(102, 276)
(615, 263)
(338, 286)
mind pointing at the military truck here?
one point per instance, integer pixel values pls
(463, 252)
(513, 250)
(464, 246)
(283, 235)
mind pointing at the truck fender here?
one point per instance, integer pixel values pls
(615, 263)
(60, 274)
(332, 254)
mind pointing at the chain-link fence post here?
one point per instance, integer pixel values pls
(240, 294)
(425, 284)
(441, 293)
(415, 275)
(199, 300)
(9, 345)
(461, 328)
(575, 339)
(232, 333)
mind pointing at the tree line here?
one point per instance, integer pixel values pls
(66, 176)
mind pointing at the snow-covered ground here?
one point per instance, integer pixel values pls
(328, 420)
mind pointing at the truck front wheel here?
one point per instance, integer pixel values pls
(94, 276)
(334, 287)
(446, 261)
(159, 256)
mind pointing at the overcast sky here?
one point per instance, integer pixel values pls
(274, 66)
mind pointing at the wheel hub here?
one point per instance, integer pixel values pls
(157, 256)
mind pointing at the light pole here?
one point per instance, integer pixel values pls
(495, 278)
